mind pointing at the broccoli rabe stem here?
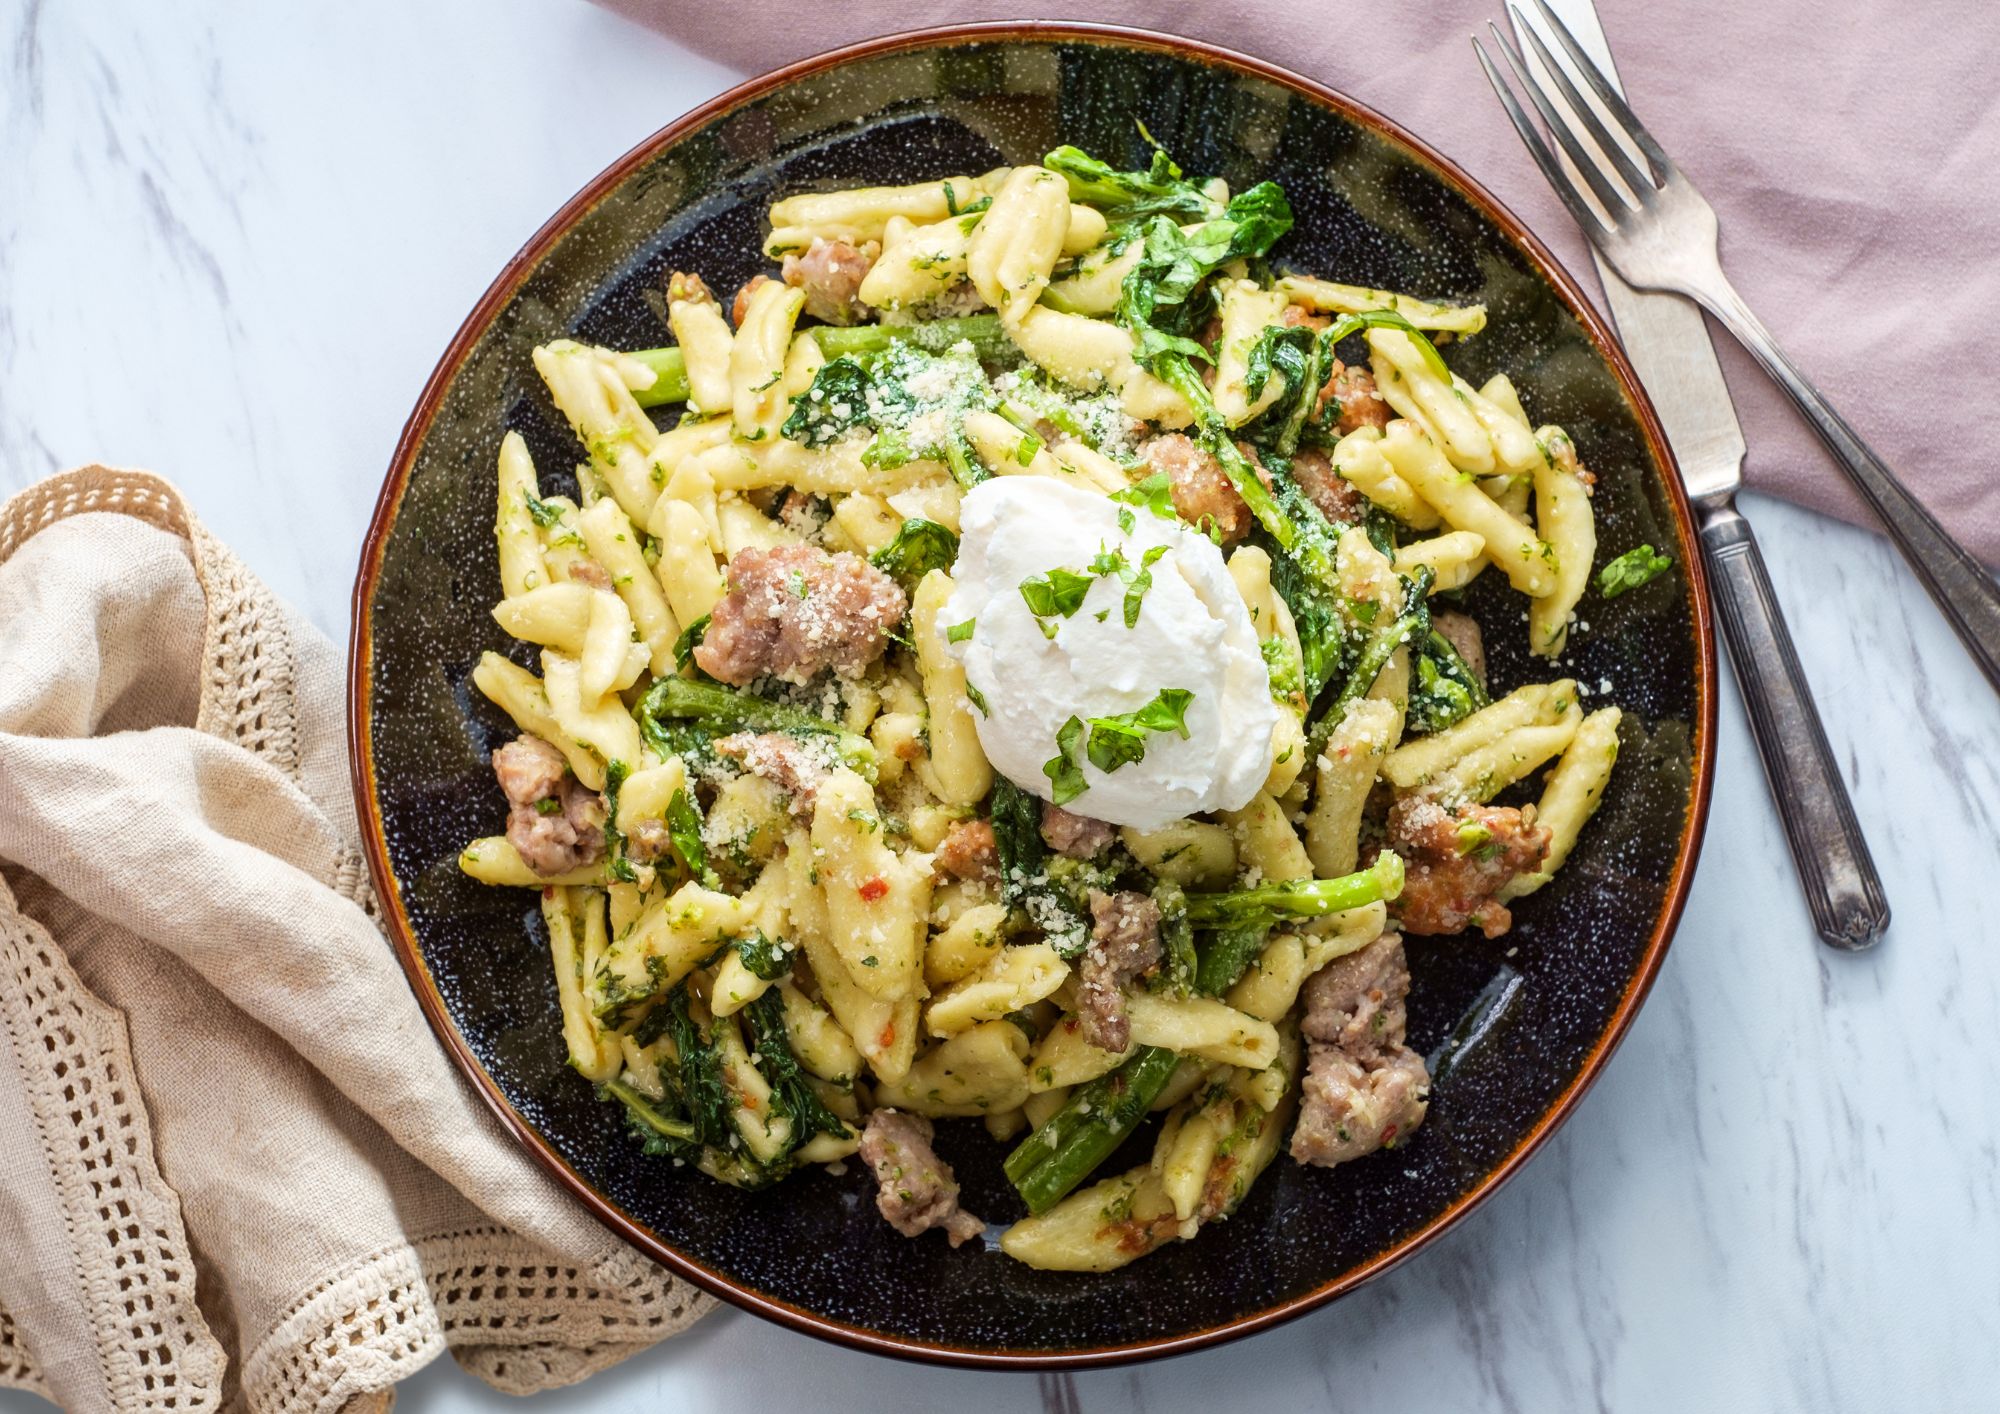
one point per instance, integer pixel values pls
(724, 709)
(1268, 904)
(1226, 956)
(1074, 1140)
(670, 381)
(642, 1109)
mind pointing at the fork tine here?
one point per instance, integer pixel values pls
(1592, 171)
(1663, 165)
(1614, 154)
(1591, 222)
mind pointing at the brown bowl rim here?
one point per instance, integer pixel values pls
(719, 1283)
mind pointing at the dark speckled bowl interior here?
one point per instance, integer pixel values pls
(1517, 1028)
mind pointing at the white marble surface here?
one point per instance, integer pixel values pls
(233, 243)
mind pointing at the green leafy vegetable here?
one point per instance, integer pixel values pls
(720, 710)
(1064, 771)
(1057, 594)
(835, 404)
(614, 838)
(792, 1093)
(1154, 493)
(1443, 691)
(690, 636)
(1130, 195)
(1270, 904)
(1120, 740)
(684, 829)
(982, 331)
(1632, 569)
(1094, 1121)
(959, 633)
(920, 546)
(1178, 963)
(763, 956)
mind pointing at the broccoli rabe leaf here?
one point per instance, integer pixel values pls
(835, 404)
(618, 865)
(1443, 690)
(1178, 963)
(791, 1092)
(920, 546)
(684, 829)
(1129, 195)
(1632, 569)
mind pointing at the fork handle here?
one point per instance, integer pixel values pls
(1841, 886)
(1967, 596)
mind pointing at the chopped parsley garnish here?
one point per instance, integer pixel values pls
(1057, 594)
(1152, 494)
(542, 512)
(1630, 570)
(1120, 740)
(958, 633)
(977, 699)
(1139, 582)
(1064, 771)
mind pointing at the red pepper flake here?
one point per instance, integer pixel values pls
(1388, 1134)
(888, 1036)
(548, 891)
(873, 889)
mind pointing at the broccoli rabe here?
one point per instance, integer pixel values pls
(1269, 904)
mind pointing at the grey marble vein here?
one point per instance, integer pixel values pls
(233, 243)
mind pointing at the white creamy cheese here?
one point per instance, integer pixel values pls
(1192, 633)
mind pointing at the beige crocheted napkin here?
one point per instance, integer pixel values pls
(236, 1170)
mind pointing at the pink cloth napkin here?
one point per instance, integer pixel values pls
(1849, 152)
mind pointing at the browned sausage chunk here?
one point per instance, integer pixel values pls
(553, 819)
(831, 272)
(1077, 836)
(741, 304)
(969, 851)
(1202, 492)
(794, 611)
(1359, 404)
(915, 1189)
(1364, 1088)
(1124, 942)
(1459, 860)
(1326, 488)
(796, 765)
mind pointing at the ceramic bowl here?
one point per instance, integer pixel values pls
(1517, 1028)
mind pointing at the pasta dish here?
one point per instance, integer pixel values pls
(1005, 667)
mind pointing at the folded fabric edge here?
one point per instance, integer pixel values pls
(513, 1313)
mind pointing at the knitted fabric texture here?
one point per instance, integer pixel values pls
(246, 1176)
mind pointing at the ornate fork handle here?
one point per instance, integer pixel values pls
(1967, 596)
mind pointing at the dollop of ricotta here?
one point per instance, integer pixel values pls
(1192, 633)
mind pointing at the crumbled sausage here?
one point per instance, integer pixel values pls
(794, 764)
(1124, 943)
(831, 272)
(1202, 492)
(1326, 488)
(1459, 860)
(1461, 631)
(1558, 448)
(741, 304)
(794, 610)
(1297, 316)
(1077, 836)
(683, 286)
(553, 819)
(915, 1189)
(589, 572)
(647, 841)
(1364, 1088)
(969, 851)
(1358, 404)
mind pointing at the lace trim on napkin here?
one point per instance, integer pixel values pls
(511, 1315)
(124, 1222)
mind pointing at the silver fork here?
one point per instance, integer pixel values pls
(1660, 234)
